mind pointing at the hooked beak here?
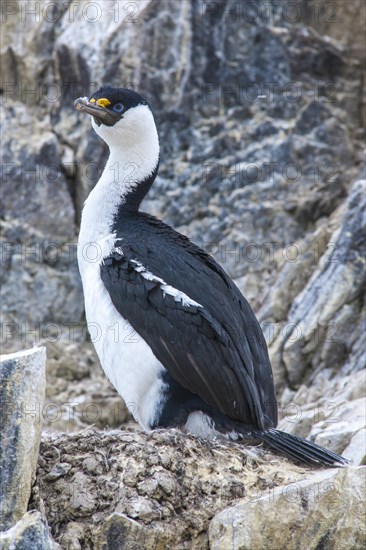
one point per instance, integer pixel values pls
(101, 115)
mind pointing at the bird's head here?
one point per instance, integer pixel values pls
(121, 117)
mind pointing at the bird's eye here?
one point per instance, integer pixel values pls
(118, 107)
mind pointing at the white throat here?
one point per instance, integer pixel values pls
(134, 154)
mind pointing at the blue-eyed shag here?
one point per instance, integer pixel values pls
(173, 333)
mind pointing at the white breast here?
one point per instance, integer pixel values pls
(125, 357)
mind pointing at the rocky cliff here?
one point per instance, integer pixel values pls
(260, 112)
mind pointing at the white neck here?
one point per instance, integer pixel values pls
(134, 155)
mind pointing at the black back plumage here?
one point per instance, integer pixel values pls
(216, 351)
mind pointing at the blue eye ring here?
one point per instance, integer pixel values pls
(118, 107)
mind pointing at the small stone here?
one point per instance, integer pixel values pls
(124, 533)
(60, 469)
(31, 532)
(92, 465)
(73, 537)
(82, 498)
(142, 508)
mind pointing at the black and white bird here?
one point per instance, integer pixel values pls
(173, 333)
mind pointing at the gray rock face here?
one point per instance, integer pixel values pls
(22, 392)
(34, 180)
(323, 312)
(320, 512)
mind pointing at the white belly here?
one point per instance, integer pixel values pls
(125, 357)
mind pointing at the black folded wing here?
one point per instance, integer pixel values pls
(194, 318)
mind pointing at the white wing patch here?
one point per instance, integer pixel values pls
(178, 295)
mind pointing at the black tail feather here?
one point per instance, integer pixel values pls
(299, 448)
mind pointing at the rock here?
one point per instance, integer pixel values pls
(129, 489)
(40, 303)
(322, 511)
(316, 328)
(122, 532)
(293, 275)
(34, 182)
(59, 470)
(337, 423)
(356, 450)
(31, 532)
(74, 533)
(345, 421)
(166, 489)
(22, 383)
